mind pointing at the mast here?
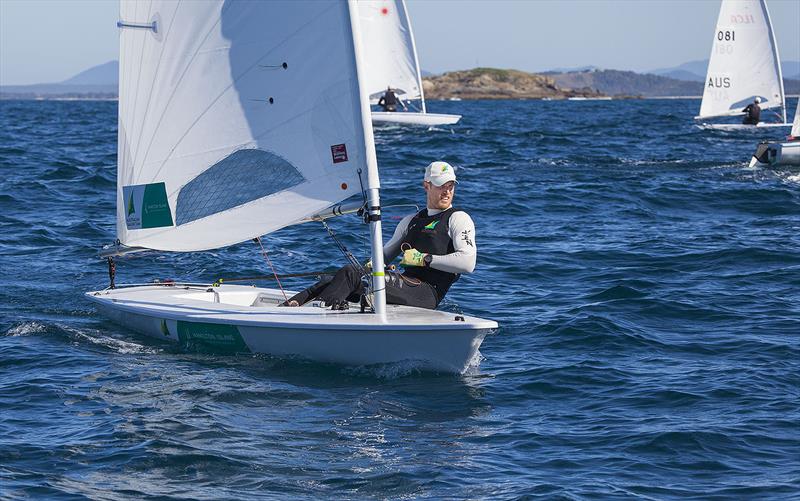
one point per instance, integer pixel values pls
(414, 51)
(373, 179)
(776, 58)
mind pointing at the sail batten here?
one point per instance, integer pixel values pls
(235, 119)
(744, 63)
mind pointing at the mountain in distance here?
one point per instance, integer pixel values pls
(569, 70)
(98, 82)
(695, 71)
(629, 83)
(102, 74)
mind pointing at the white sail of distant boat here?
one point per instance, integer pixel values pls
(744, 64)
(233, 123)
(390, 55)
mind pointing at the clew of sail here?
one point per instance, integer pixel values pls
(744, 61)
(389, 54)
(236, 119)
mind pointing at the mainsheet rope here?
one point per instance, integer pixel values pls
(269, 261)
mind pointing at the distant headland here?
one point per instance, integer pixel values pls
(492, 83)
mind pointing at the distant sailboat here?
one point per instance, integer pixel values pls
(237, 119)
(390, 57)
(744, 64)
(780, 154)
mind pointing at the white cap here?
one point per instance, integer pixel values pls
(757, 99)
(440, 173)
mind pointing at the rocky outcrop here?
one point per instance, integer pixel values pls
(491, 83)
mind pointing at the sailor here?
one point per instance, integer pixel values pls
(389, 100)
(437, 244)
(752, 112)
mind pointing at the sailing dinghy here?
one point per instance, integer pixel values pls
(234, 124)
(744, 64)
(780, 154)
(391, 60)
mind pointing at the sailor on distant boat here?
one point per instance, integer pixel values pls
(389, 101)
(437, 243)
(752, 112)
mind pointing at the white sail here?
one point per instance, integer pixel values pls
(744, 61)
(796, 123)
(389, 54)
(235, 119)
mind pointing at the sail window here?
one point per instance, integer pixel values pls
(239, 178)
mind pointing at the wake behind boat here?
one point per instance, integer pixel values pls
(293, 147)
(744, 67)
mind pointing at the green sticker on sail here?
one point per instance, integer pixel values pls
(215, 338)
(147, 206)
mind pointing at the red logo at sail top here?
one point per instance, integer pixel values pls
(339, 153)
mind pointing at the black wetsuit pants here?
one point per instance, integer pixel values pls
(346, 285)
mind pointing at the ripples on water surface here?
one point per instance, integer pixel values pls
(646, 281)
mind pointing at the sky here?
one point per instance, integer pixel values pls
(45, 41)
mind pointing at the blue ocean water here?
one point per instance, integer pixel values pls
(647, 284)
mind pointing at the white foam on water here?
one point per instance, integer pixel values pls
(793, 178)
(97, 338)
(27, 329)
(404, 368)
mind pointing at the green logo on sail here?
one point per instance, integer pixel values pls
(431, 225)
(152, 203)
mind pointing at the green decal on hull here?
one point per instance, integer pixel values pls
(215, 338)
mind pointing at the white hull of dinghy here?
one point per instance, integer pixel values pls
(777, 155)
(742, 126)
(413, 118)
(247, 319)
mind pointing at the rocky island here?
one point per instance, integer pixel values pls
(492, 83)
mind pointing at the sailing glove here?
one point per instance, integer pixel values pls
(413, 257)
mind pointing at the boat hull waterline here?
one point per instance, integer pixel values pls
(248, 320)
(777, 155)
(742, 126)
(413, 118)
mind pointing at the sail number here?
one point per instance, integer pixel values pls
(726, 35)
